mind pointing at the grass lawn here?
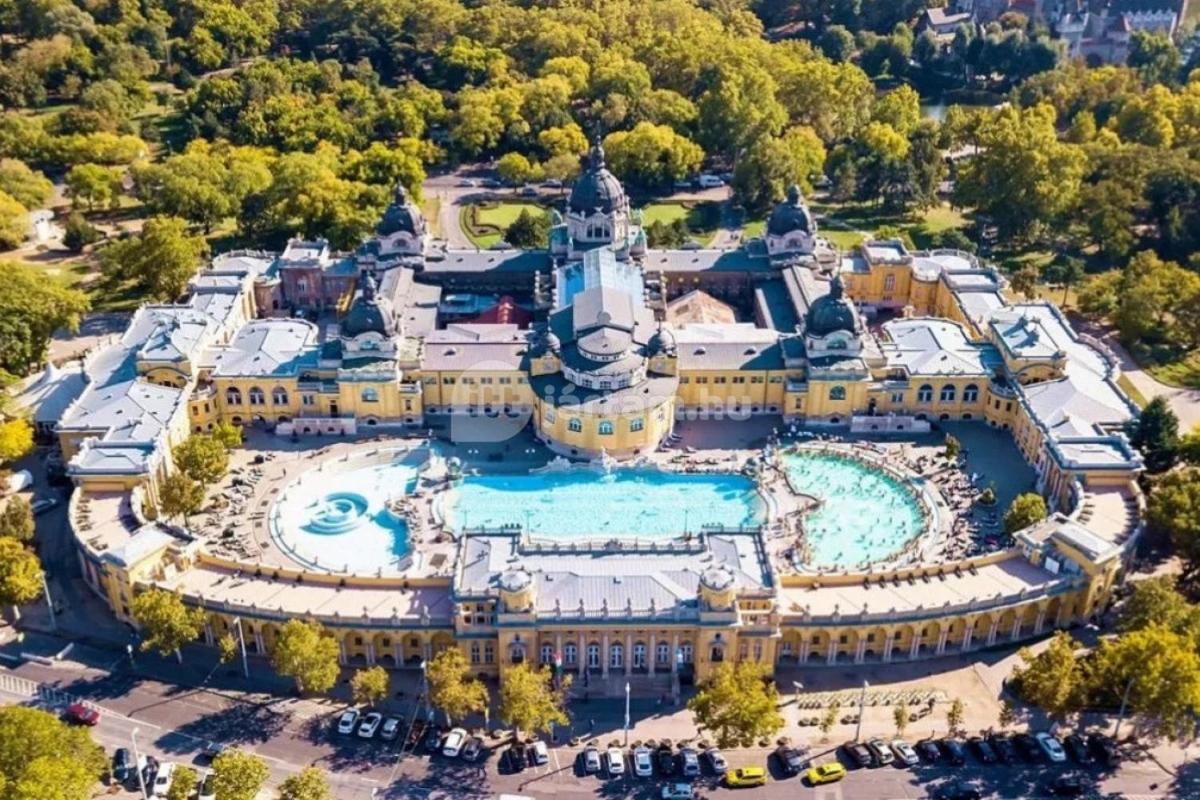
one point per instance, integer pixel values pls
(431, 208)
(1131, 390)
(701, 218)
(1183, 372)
(842, 239)
(485, 223)
(845, 224)
(753, 228)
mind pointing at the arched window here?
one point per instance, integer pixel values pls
(616, 656)
(370, 395)
(925, 394)
(636, 424)
(605, 427)
(593, 656)
(948, 393)
(570, 653)
(971, 393)
(575, 426)
(257, 398)
(547, 653)
(837, 393)
(233, 396)
(279, 396)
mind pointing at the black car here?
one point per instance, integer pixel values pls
(122, 765)
(1104, 749)
(983, 751)
(665, 760)
(1067, 786)
(518, 759)
(959, 791)
(857, 754)
(1028, 747)
(954, 751)
(1077, 749)
(791, 760)
(433, 739)
(928, 750)
(1002, 743)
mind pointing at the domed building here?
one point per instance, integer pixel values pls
(369, 327)
(402, 229)
(598, 214)
(791, 229)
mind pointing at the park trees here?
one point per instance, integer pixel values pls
(238, 775)
(517, 170)
(1157, 601)
(738, 704)
(16, 520)
(1025, 510)
(529, 700)
(204, 184)
(202, 458)
(94, 185)
(1155, 433)
(228, 434)
(28, 187)
(955, 715)
(772, 163)
(1053, 679)
(160, 260)
(528, 231)
(307, 653)
(20, 574)
(309, 783)
(183, 783)
(43, 757)
(166, 623)
(369, 686)
(452, 690)
(180, 495)
(1160, 670)
(16, 439)
(652, 155)
(1173, 511)
(14, 222)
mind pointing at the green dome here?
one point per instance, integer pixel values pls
(833, 312)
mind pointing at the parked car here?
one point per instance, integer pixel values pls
(825, 773)
(81, 714)
(42, 505)
(689, 761)
(591, 760)
(881, 754)
(643, 763)
(207, 788)
(665, 760)
(616, 762)
(540, 753)
(348, 721)
(1051, 747)
(983, 751)
(490, 183)
(1067, 786)
(954, 751)
(122, 765)
(433, 738)
(528, 191)
(745, 777)
(517, 759)
(928, 750)
(709, 181)
(959, 791)
(1077, 749)
(552, 183)
(370, 725)
(467, 183)
(716, 761)
(904, 753)
(473, 749)
(390, 729)
(791, 760)
(416, 734)
(1028, 747)
(453, 744)
(1104, 749)
(857, 753)
(1006, 751)
(162, 779)
(677, 791)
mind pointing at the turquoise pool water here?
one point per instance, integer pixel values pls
(334, 519)
(585, 505)
(866, 514)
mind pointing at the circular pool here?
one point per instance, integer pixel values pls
(336, 513)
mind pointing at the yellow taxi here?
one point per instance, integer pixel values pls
(826, 773)
(746, 776)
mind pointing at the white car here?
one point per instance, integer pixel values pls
(348, 721)
(208, 788)
(453, 745)
(709, 181)
(370, 723)
(541, 754)
(643, 764)
(616, 762)
(43, 504)
(678, 791)
(162, 779)
(904, 753)
(1050, 746)
(717, 761)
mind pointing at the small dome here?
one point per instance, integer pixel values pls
(368, 313)
(546, 342)
(663, 341)
(833, 312)
(401, 216)
(596, 189)
(717, 578)
(791, 215)
(515, 580)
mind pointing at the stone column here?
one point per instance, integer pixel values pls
(967, 635)
(1063, 614)
(1016, 629)
(831, 654)
(652, 655)
(888, 643)
(862, 646)
(1041, 620)
(805, 646)
(942, 637)
(208, 634)
(581, 655)
(674, 653)
(398, 654)
(992, 631)
(370, 653)
(628, 654)
(604, 656)
(915, 646)
(558, 653)
(341, 650)
(260, 646)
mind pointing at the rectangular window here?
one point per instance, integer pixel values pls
(522, 380)
(897, 397)
(889, 282)
(739, 378)
(685, 379)
(701, 380)
(468, 380)
(448, 381)
(489, 654)
(776, 379)
(486, 381)
(756, 379)
(505, 381)
(719, 379)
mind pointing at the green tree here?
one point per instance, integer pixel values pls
(180, 496)
(202, 458)
(1173, 511)
(161, 259)
(955, 715)
(830, 718)
(738, 703)
(228, 434)
(78, 233)
(183, 783)
(1155, 433)
(452, 690)
(529, 231)
(20, 574)
(1025, 510)
(1157, 601)
(1161, 670)
(652, 155)
(307, 653)
(1068, 272)
(1154, 56)
(29, 188)
(369, 686)
(517, 170)
(309, 783)
(771, 164)
(14, 222)
(238, 775)
(900, 719)
(166, 623)
(1024, 281)
(94, 185)
(529, 702)
(16, 439)
(227, 648)
(1052, 680)
(41, 756)
(1008, 714)
(16, 520)
(953, 447)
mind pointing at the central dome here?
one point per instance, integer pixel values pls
(596, 189)
(368, 313)
(790, 215)
(833, 312)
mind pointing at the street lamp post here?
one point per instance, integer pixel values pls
(242, 647)
(862, 701)
(137, 762)
(627, 713)
(49, 602)
(796, 687)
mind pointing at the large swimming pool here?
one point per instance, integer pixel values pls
(643, 504)
(865, 513)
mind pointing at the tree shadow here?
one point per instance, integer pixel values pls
(241, 724)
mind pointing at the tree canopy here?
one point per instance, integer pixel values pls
(20, 574)
(529, 700)
(307, 653)
(1025, 510)
(452, 690)
(167, 624)
(738, 704)
(41, 756)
